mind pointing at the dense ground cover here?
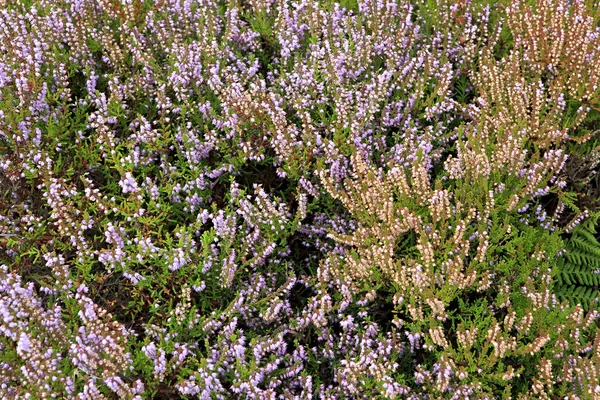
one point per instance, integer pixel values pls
(312, 199)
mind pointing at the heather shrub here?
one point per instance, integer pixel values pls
(312, 199)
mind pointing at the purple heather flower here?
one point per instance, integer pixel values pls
(24, 344)
(128, 183)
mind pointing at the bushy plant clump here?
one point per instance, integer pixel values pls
(270, 199)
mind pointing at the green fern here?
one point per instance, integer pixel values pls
(578, 276)
(461, 88)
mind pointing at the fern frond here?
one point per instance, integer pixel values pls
(586, 237)
(577, 279)
(578, 295)
(569, 199)
(583, 258)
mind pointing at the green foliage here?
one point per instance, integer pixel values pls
(578, 276)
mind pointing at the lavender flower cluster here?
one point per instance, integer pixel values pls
(276, 199)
